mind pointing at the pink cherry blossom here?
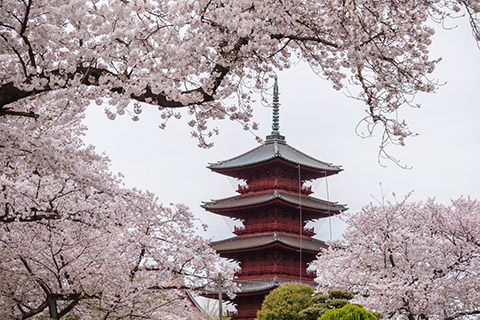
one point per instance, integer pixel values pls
(409, 260)
(196, 54)
(74, 241)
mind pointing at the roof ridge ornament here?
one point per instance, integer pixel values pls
(276, 111)
(275, 135)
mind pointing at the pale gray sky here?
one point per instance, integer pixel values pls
(319, 121)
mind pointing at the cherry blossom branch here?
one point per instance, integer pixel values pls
(463, 314)
(19, 56)
(91, 76)
(42, 284)
(304, 38)
(23, 28)
(474, 19)
(32, 312)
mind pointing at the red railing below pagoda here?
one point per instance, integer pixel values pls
(284, 184)
(272, 227)
(286, 269)
(243, 314)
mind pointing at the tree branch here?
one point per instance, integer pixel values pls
(462, 314)
(7, 111)
(9, 93)
(304, 38)
(32, 312)
(24, 37)
(68, 308)
(44, 287)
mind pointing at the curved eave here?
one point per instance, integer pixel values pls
(270, 151)
(259, 286)
(261, 290)
(306, 172)
(231, 253)
(307, 212)
(233, 206)
(265, 241)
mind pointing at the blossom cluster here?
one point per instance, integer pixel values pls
(417, 260)
(75, 241)
(196, 54)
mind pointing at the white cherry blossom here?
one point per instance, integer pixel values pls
(415, 261)
(197, 53)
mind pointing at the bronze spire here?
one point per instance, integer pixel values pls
(275, 135)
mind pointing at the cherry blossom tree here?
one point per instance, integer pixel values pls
(194, 54)
(409, 260)
(74, 241)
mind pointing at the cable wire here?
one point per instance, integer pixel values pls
(300, 265)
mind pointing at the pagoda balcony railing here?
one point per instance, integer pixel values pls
(282, 269)
(246, 313)
(272, 227)
(268, 185)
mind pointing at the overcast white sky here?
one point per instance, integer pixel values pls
(319, 121)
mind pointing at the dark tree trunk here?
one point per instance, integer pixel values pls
(52, 307)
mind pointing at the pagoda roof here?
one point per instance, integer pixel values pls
(264, 284)
(247, 200)
(275, 148)
(250, 242)
(259, 285)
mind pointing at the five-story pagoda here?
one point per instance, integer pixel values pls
(273, 246)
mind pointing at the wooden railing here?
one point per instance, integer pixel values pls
(248, 313)
(274, 268)
(282, 184)
(271, 227)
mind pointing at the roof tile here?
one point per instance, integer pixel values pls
(259, 198)
(238, 243)
(270, 150)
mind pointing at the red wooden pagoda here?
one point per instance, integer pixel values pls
(273, 246)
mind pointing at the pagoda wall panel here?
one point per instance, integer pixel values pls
(273, 219)
(276, 262)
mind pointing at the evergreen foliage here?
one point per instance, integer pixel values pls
(295, 301)
(348, 312)
(286, 302)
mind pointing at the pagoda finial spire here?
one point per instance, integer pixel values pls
(276, 105)
(275, 136)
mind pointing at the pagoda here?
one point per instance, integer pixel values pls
(273, 246)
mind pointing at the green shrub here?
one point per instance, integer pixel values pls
(348, 312)
(286, 302)
(313, 312)
(296, 301)
(340, 294)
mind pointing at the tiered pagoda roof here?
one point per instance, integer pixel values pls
(311, 206)
(264, 284)
(275, 149)
(273, 246)
(238, 244)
